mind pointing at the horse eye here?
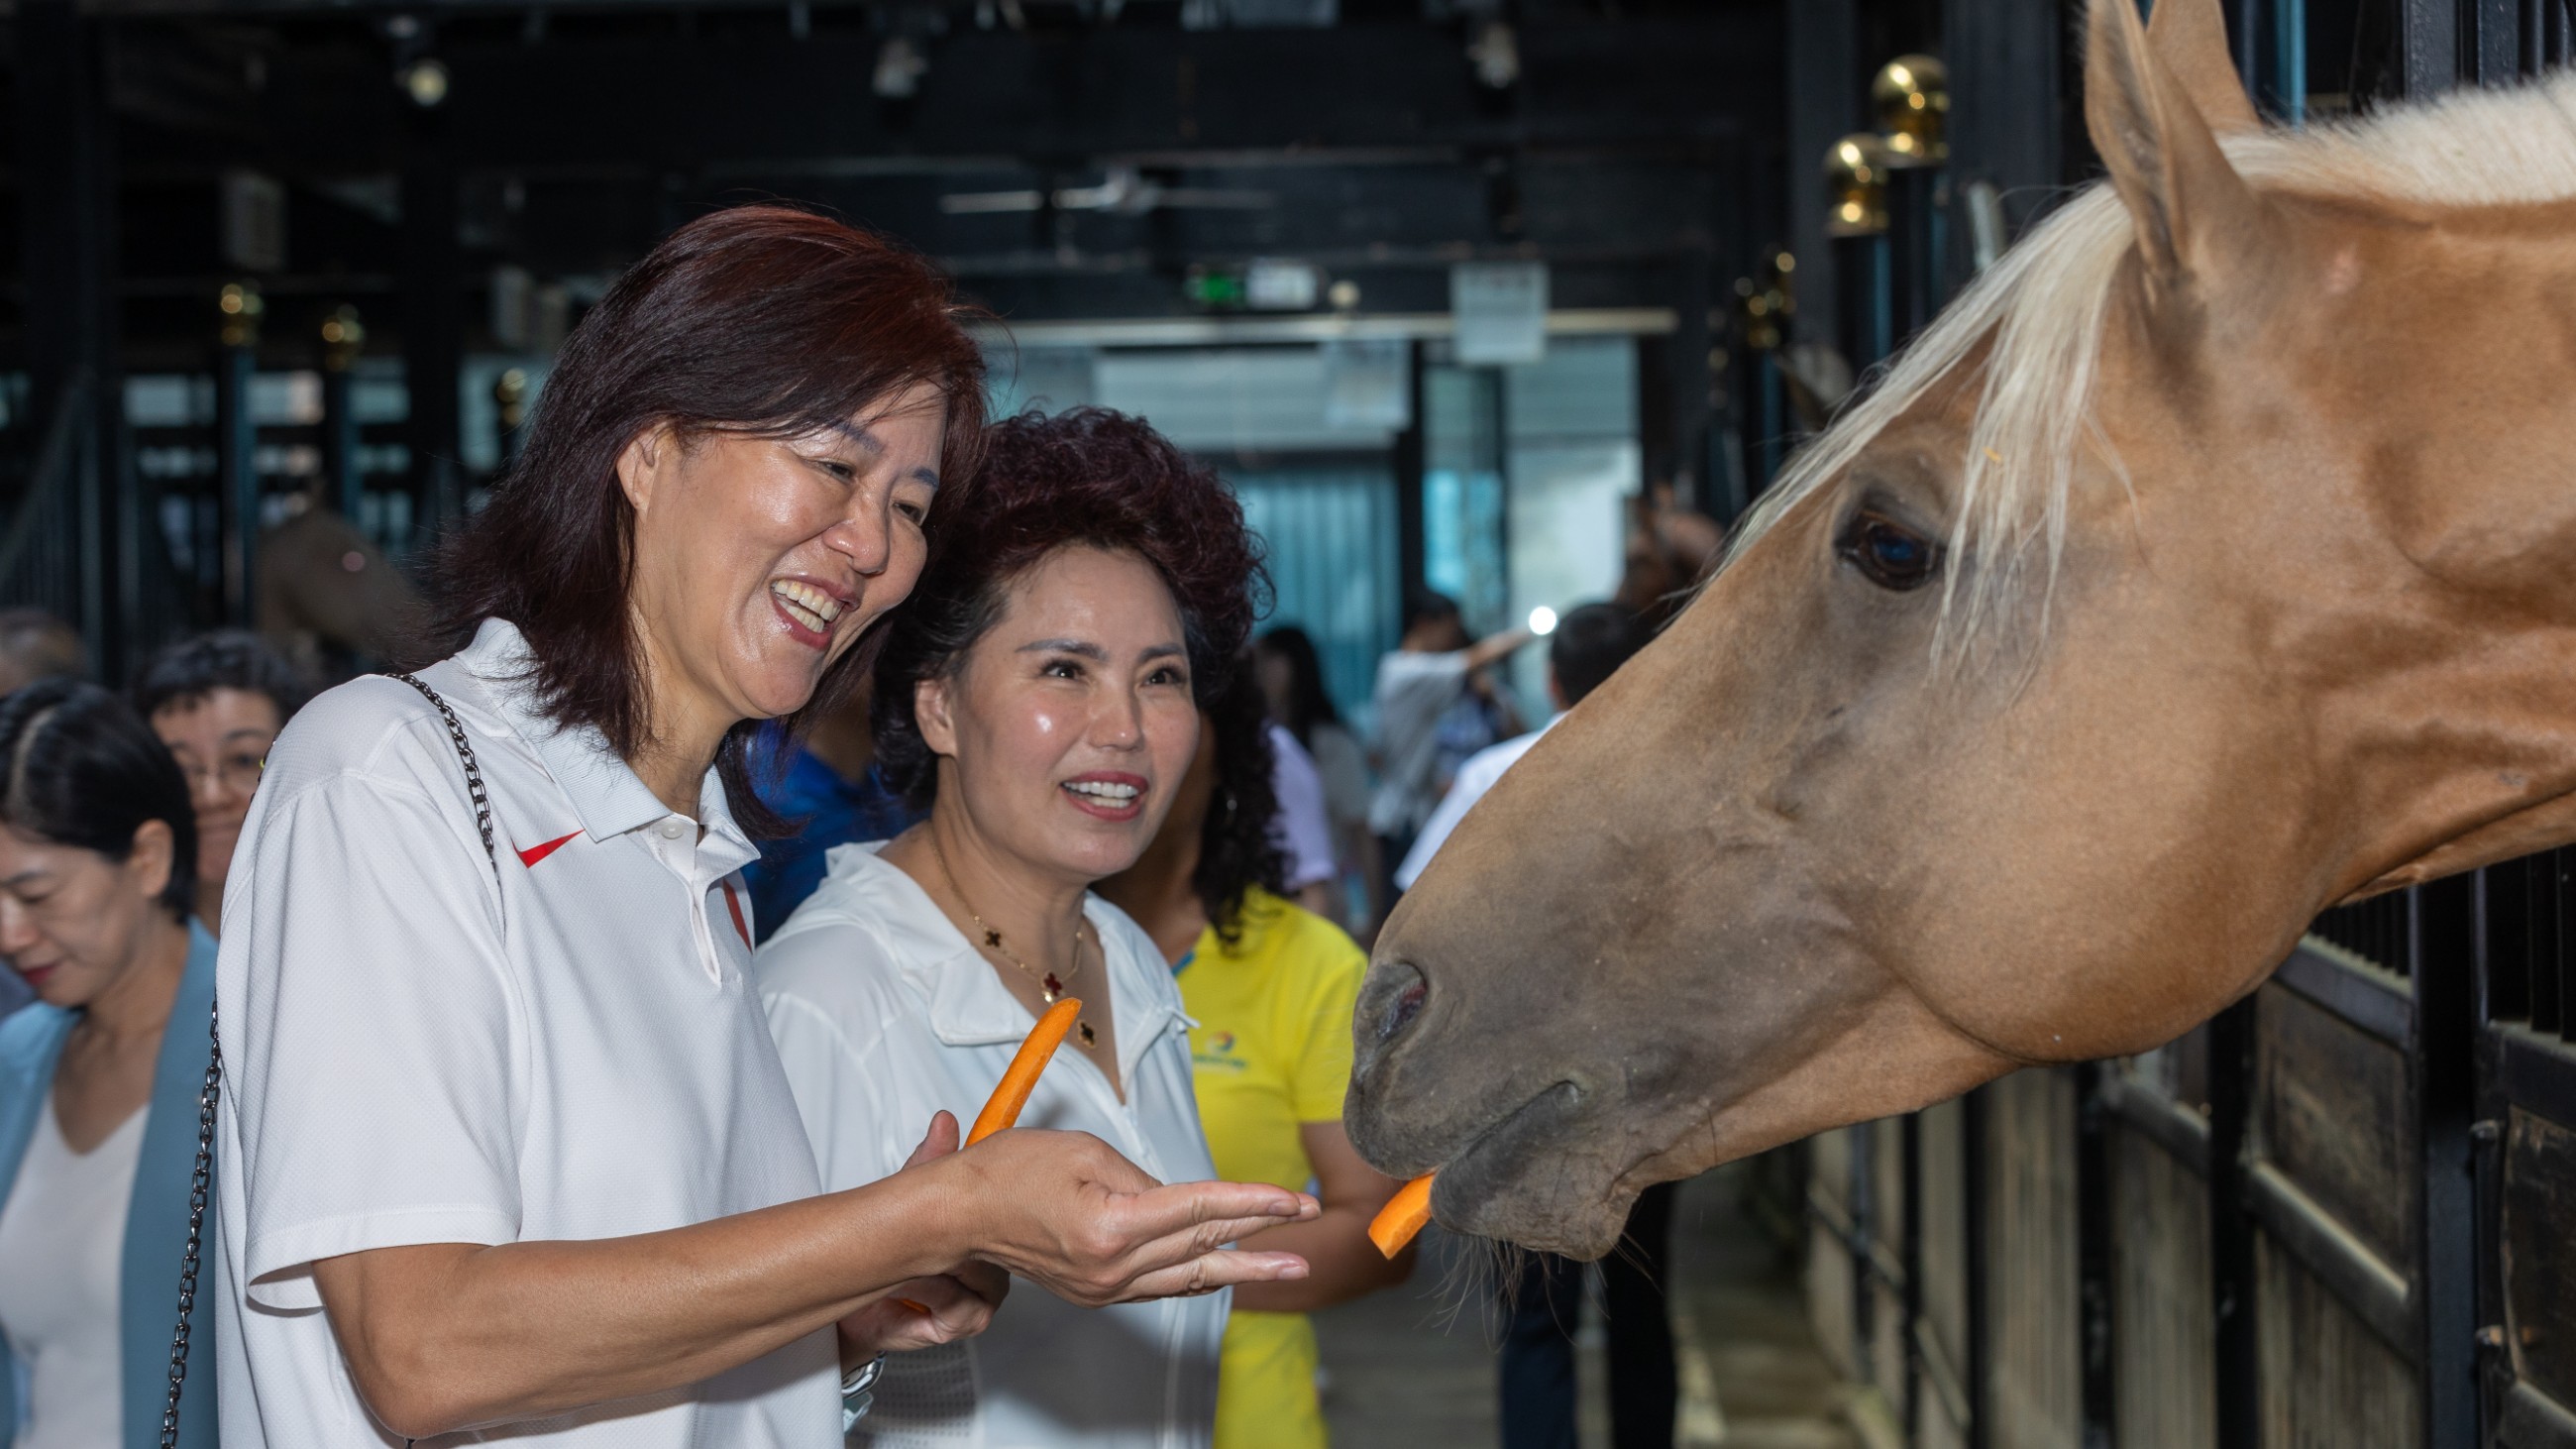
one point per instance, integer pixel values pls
(1889, 554)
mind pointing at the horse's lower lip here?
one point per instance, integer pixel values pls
(1482, 1164)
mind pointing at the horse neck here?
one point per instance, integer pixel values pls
(2455, 701)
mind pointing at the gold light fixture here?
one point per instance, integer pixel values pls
(240, 304)
(1856, 171)
(1912, 98)
(342, 337)
(1764, 303)
(510, 397)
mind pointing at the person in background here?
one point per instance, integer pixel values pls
(1301, 826)
(1272, 987)
(1430, 675)
(827, 787)
(99, 1079)
(1040, 698)
(35, 645)
(1589, 643)
(1670, 549)
(218, 701)
(1292, 685)
(1537, 1368)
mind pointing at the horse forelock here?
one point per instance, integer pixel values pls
(2031, 326)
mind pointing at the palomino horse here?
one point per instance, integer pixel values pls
(2212, 561)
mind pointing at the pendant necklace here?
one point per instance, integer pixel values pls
(1050, 989)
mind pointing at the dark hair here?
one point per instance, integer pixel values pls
(84, 769)
(761, 320)
(1085, 476)
(189, 670)
(1238, 845)
(1424, 606)
(1589, 645)
(1309, 703)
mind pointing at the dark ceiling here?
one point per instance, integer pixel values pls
(1633, 146)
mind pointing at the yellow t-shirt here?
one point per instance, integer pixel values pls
(1272, 1049)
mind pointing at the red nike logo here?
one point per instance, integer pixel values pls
(733, 903)
(534, 853)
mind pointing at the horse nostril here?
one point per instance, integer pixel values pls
(1407, 1007)
(1407, 1004)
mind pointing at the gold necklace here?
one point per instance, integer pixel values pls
(1049, 988)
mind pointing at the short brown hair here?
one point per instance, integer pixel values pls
(761, 320)
(1086, 476)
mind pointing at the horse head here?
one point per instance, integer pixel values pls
(2212, 561)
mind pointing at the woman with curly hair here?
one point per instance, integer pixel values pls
(1271, 986)
(1041, 700)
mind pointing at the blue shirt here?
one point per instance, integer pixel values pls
(826, 810)
(156, 1220)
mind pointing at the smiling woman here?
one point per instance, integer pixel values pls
(1041, 698)
(502, 1101)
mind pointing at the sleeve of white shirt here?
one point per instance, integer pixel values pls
(840, 1081)
(1302, 827)
(1475, 777)
(1435, 832)
(1412, 690)
(373, 1050)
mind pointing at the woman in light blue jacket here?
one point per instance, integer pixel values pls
(99, 1077)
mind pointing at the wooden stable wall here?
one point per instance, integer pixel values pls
(2339, 1216)
(2343, 1214)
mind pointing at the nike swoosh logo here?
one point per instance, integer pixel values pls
(534, 853)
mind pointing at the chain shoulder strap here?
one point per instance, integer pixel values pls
(200, 1187)
(201, 1180)
(465, 753)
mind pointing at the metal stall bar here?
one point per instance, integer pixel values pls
(237, 455)
(2447, 960)
(2231, 1228)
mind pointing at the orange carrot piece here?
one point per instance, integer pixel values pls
(918, 1307)
(1403, 1216)
(1003, 1107)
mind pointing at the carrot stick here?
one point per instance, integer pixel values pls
(1003, 1107)
(1403, 1216)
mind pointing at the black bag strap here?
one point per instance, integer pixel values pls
(464, 753)
(201, 1180)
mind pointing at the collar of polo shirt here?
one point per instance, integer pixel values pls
(607, 798)
(969, 1005)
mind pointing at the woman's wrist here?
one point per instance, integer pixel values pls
(934, 1211)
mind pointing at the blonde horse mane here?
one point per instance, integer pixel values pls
(2042, 307)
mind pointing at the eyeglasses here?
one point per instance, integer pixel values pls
(239, 772)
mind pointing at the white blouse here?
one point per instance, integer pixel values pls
(884, 1014)
(62, 1249)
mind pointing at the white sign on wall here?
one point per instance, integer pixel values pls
(1501, 312)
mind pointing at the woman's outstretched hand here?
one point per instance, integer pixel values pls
(927, 1312)
(1065, 1211)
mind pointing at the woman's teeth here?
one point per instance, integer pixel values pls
(1103, 791)
(806, 604)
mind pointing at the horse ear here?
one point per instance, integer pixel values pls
(2190, 37)
(2192, 211)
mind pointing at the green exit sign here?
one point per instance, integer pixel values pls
(1213, 290)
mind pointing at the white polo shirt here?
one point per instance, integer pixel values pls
(884, 1015)
(421, 1048)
